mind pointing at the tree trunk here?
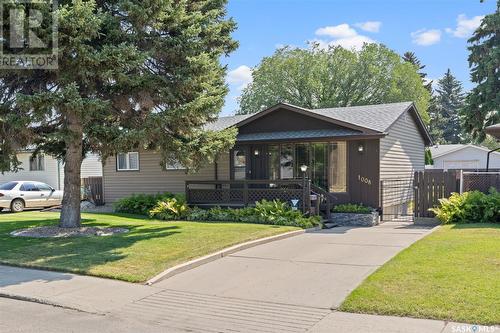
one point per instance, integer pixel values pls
(70, 212)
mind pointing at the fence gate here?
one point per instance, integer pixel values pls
(397, 199)
(93, 190)
(430, 186)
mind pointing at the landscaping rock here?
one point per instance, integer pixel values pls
(365, 220)
(57, 232)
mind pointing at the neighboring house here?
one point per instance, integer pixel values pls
(47, 169)
(462, 156)
(348, 151)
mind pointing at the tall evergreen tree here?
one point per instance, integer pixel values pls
(132, 74)
(483, 102)
(445, 109)
(412, 59)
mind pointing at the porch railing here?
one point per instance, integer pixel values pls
(247, 192)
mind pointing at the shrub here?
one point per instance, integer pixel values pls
(352, 208)
(469, 207)
(140, 203)
(170, 209)
(265, 212)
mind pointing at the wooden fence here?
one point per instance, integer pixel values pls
(94, 190)
(432, 185)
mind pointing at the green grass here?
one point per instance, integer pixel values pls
(452, 274)
(147, 249)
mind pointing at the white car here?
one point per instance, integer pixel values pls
(18, 195)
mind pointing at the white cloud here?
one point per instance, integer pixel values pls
(370, 26)
(465, 27)
(240, 76)
(343, 35)
(337, 31)
(426, 37)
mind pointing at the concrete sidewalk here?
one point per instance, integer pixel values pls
(289, 285)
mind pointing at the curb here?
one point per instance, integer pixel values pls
(221, 254)
(44, 302)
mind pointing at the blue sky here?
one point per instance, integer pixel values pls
(436, 30)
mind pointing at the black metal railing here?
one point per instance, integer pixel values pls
(247, 192)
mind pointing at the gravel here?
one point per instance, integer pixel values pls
(57, 232)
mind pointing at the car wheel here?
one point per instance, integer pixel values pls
(17, 205)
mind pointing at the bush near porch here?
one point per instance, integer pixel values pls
(173, 207)
(452, 274)
(149, 247)
(469, 207)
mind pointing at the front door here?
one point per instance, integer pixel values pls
(258, 162)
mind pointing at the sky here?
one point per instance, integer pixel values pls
(436, 30)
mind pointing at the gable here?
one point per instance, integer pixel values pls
(281, 120)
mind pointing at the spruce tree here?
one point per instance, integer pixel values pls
(132, 74)
(483, 102)
(445, 110)
(412, 59)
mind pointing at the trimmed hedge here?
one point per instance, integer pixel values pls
(352, 208)
(469, 207)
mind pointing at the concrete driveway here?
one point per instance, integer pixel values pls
(317, 269)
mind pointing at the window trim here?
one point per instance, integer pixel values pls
(37, 158)
(128, 162)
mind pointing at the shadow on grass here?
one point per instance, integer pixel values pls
(75, 254)
(475, 225)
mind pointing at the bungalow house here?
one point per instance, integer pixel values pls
(286, 152)
(49, 170)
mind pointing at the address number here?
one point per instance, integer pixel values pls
(364, 180)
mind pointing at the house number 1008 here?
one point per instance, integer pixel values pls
(364, 180)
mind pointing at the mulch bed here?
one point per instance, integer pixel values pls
(57, 232)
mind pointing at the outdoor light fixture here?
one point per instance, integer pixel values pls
(256, 152)
(361, 148)
(303, 168)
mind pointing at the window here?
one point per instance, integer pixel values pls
(127, 161)
(319, 163)
(43, 187)
(37, 163)
(301, 158)
(8, 186)
(240, 164)
(338, 167)
(274, 157)
(286, 161)
(174, 166)
(29, 187)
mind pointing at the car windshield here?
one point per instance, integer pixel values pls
(8, 186)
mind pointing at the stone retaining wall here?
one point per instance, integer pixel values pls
(366, 220)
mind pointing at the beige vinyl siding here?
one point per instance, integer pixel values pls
(402, 150)
(152, 178)
(91, 166)
(48, 175)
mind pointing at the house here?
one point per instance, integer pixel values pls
(462, 156)
(346, 152)
(47, 169)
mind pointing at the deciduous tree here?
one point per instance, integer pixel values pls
(334, 77)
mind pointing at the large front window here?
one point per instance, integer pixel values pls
(326, 162)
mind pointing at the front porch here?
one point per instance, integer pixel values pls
(301, 194)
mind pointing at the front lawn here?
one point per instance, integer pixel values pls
(452, 274)
(147, 249)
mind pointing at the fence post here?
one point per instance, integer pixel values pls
(461, 181)
(245, 193)
(187, 192)
(381, 200)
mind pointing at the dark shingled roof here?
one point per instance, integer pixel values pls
(290, 135)
(378, 117)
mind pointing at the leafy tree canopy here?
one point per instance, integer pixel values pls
(132, 74)
(412, 59)
(334, 77)
(483, 102)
